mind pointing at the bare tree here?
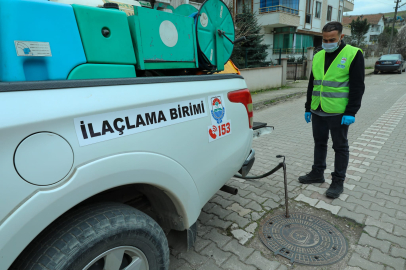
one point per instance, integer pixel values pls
(401, 42)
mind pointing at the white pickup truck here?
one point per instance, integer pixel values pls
(94, 173)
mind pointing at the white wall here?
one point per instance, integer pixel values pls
(268, 39)
(317, 21)
(256, 7)
(262, 78)
(336, 6)
(302, 9)
(370, 62)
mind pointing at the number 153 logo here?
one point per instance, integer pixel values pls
(219, 131)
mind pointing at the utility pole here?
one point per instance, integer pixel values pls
(393, 24)
(234, 11)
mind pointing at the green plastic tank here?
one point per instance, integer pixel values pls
(105, 35)
(101, 71)
(185, 10)
(163, 40)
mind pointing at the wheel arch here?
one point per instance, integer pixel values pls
(147, 198)
(161, 180)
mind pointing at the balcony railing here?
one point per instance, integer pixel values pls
(290, 51)
(279, 9)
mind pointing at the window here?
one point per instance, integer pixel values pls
(389, 57)
(293, 4)
(308, 11)
(303, 41)
(283, 41)
(287, 6)
(339, 15)
(329, 12)
(308, 18)
(240, 5)
(308, 6)
(373, 38)
(318, 10)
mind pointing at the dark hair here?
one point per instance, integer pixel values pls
(333, 26)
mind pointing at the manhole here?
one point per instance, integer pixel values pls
(303, 239)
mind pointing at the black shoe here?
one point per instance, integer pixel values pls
(312, 178)
(335, 189)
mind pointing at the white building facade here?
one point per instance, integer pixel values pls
(291, 25)
(377, 22)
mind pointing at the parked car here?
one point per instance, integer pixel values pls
(390, 62)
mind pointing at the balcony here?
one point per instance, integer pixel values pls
(279, 9)
(278, 16)
(348, 5)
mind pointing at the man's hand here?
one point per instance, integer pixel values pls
(308, 117)
(347, 120)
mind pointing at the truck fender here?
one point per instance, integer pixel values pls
(87, 180)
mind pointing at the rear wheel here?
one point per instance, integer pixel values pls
(376, 71)
(399, 71)
(105, 236)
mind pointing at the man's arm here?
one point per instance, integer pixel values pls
(309, 93)
(357, 85)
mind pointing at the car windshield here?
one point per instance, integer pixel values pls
(390, 57)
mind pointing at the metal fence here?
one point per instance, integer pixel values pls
(296, 71)
(290, 51)
(279, 9)
(248, 58)
(297, 64)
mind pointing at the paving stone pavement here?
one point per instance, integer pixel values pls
(374, 193)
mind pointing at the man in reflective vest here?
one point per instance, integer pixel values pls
(334, 97)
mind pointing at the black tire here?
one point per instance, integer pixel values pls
(78, 237)
(376, 71)
(399, 71)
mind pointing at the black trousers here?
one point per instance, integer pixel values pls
(322, 125)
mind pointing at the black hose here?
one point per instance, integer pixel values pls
(280, 165)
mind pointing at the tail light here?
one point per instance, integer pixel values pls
(377, 63)
(243, 96)
(398, 62)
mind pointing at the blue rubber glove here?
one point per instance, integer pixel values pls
(308, 117)
(347, 120)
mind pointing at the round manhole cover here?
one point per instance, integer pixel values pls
(303, 239)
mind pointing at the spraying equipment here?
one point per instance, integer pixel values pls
(55, 40)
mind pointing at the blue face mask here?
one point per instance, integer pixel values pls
(331, 47)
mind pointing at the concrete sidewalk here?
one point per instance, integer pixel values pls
(292, 89)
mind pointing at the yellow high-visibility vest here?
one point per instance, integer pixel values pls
(331, 90)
